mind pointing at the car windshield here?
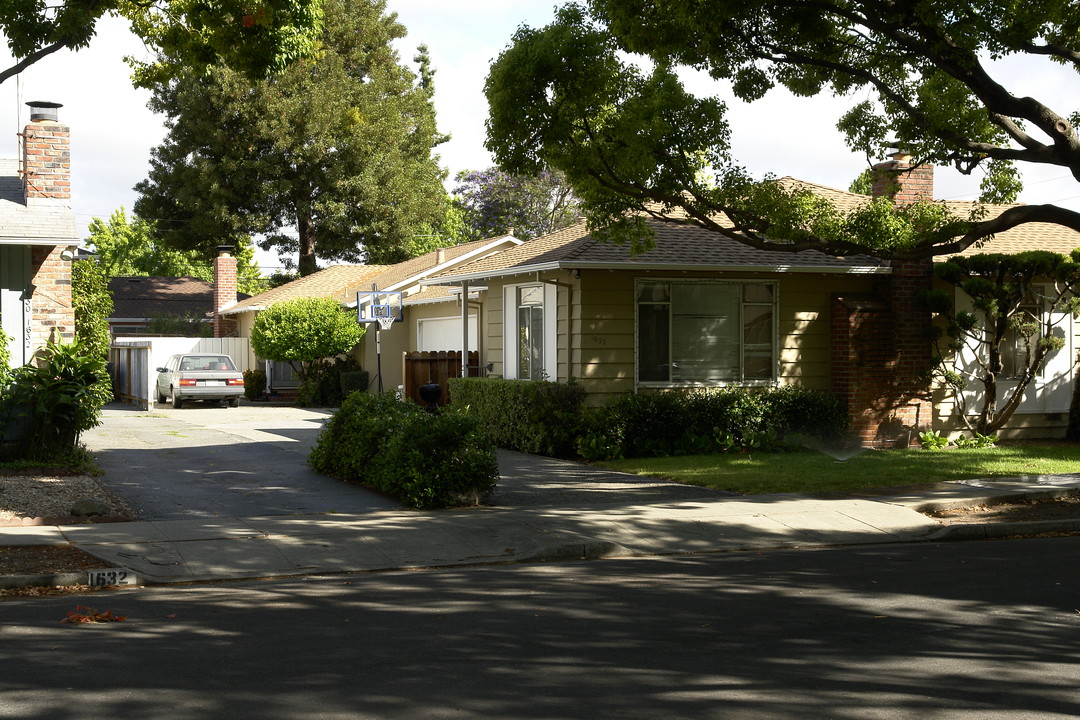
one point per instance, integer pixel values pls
(207, 362)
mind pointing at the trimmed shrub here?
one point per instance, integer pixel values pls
(354, 381)
(531, 416)
(424, 460)
(323, 388)
(673, 423)
(254, 384)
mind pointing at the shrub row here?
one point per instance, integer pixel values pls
(531, 416)
(732, 419)
(423, 460)
(547, 418)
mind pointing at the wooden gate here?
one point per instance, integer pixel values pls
(421, 368)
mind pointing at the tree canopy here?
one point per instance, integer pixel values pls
(492, 202)
(255, 39)
(304, 332)
(331, 158)
(597, 94)
(124, 247)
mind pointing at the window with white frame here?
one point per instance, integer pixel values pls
(694, 332)
(529, 341)
(1022, 338)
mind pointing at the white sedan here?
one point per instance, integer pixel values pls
(202, 376)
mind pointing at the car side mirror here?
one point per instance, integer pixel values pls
(163, 369)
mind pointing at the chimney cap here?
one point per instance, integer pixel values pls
(225, 249)
(43, 110)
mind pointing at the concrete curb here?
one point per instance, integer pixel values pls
(16, 582)
(990, 531)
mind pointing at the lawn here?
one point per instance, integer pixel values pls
(758, 473)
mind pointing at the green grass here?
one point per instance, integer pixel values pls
(759, 473)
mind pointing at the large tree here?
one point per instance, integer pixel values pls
(124, 247)
(254, 38)
(331, 158)
(920, 74)
(494, 202)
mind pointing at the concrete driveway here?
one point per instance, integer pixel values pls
(206, 461)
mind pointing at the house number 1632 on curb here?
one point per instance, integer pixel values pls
(111, 576)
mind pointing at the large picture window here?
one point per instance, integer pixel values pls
(705, 333)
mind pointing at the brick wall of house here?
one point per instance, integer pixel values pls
(50, 304)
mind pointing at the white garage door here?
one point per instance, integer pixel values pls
(434, 334)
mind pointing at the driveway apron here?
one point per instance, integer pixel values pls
(207, 461)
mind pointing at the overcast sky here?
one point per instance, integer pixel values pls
(112, 130)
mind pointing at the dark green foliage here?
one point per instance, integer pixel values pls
(424, 460)
(730, 420)
(531, 416)
(353, 381)
(92, 304)
(50, 402)
(325, 389)
(254, 384)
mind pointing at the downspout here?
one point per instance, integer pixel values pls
(465, 329)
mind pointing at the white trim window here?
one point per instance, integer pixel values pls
(529, 320)
(705, 332)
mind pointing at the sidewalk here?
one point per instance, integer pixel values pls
(595, 525)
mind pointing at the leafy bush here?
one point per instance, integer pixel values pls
(532, 416)
(56, 399)
(324, 388)
(354, 381)
(728, 420)
(424, 460)
(933, 440)
(254, 384)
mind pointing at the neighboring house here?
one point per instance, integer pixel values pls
(37, 237)
(137, 301)
(342, 282)
(700, 311)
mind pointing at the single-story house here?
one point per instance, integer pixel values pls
(37, 237)
(700, 311)
(342, 282)
(138, 301)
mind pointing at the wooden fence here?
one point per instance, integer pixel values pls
(421, 368)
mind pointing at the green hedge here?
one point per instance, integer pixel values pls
(673, 423)
(424, 460)
(531, 416)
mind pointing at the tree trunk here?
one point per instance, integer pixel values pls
(305, 228)
(1072, 432)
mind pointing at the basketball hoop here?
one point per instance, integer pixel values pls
(385, 323)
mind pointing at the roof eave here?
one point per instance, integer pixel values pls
(676, 267)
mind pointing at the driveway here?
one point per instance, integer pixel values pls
(199, 462)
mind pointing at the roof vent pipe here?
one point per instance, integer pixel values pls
(42, 110)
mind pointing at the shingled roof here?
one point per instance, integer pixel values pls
(148, 297)
(46, 224)
(1030, 236)
(689, 247)
(338, 282)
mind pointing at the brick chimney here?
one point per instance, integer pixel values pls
(224, 291)
(881, 345)
(46, 157)
(903, 182)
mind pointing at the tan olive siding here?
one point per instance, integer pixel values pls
(492, 329)
(244, 321)
(604, 320)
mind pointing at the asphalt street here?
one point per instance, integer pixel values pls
(953, 631)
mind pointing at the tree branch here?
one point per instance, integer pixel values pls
(33, 58)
